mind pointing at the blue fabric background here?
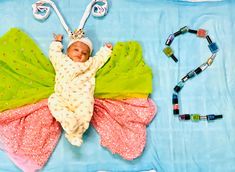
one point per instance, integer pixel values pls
(172, 146)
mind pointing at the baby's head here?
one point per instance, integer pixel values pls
(79, 50)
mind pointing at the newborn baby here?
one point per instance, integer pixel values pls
(73, 100)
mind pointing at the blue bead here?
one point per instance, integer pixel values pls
(174, 99)
(175, 96)
(210, 117)
(213, 47)
(180, 84)
(191, 74)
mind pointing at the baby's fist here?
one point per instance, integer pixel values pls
(58, 37)
(109, 45)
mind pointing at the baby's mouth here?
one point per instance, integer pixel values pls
(79, 59)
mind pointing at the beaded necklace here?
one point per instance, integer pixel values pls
(169, 52)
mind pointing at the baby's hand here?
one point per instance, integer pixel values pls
(58, 37)
(109, 45)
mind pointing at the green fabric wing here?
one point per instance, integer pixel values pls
(125, 75)
(27, 76)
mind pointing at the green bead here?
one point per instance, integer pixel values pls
(195, 117)
(168, 51)
(184, 29)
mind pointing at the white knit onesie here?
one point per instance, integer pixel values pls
(73, 101)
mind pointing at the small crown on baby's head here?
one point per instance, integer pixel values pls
(77, 34)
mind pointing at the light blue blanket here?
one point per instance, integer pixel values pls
(172, 146)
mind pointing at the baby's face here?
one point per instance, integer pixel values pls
(78, 52)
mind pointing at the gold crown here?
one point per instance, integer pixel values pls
(77, 34)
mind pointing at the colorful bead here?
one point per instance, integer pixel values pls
(177, 89)
(210, 117)
(198, 70)
(191, 74)
(176, 106)
(211, 59)
(192, 31)
(203, 117)
(204, 66)
(179, 86)
(168, 51)
(174, 99)
(170, 39)
(176, 112)
(213, 117)
(201, 33)
(185, 78)
(218, 116)
(195, 117)
(208, 39)
(174, 58)
(177, 33)
(184, 29)
(213, 47)
(184, 117)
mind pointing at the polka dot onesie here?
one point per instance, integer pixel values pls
(72, 102)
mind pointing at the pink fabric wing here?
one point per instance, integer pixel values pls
(29, 135)
(122, 124)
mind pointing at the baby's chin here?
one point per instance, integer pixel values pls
(76, 59)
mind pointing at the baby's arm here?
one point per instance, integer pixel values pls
(102, 55)
(55, 50)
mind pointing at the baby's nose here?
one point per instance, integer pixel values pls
(79, 53)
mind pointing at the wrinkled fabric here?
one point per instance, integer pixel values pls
(29, 135)
(29, 142)
(122, 124)
(24, 71)
(125, 75)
